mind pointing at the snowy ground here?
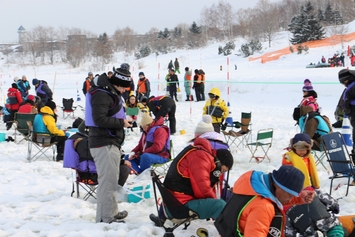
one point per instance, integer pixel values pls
(35, 197)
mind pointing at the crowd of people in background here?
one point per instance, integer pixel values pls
(114, 105)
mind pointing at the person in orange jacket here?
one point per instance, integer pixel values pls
(256, 208)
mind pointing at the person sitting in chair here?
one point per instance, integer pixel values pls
(153, 146)
(81, 147)
(45, 122)
(192, 177)
(313, 124)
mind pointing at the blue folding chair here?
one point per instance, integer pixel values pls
(338, 157)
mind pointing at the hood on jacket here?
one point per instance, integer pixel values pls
(47, 110)
(305, 110)
(204, 143)
(103, 82)
(255, 183)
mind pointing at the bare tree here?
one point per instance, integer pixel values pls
(339, 30)
(76, 49)
(124, 40)
(268, 23)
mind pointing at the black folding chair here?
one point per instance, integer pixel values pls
(174, 210)
(68, 108)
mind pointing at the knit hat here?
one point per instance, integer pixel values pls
(145, 119)
(16, 79)
(301, 141)
(197, 71)
(186, 68)
(31, 97)
(289, 179)
(122, 76)
(141, 74)
(346, 74)
(14, 85)
(307, 85)
(144, 99)
(35, 81)
(51, 104)
(205, 125)
(90, 73)
(336, 231)
(225, 157)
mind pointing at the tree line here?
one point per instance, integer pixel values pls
(305, 19)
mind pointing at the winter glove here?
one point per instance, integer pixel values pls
(336, 209)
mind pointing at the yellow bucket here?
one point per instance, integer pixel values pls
(182, 132)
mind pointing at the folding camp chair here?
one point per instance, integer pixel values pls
(320, 155)
(68, 108)
(162, 169)
(42, 143)
(338, 157)
(21, 125)
(235, 137)
(85, 172)
(133, 114)
(174, 211)
(263, 140)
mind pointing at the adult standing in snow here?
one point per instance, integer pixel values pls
(143, 86)
(347, 78)
(173, 83)
(256, 208)
(42, 90)
(197, 85)
(203, 81)
(187, 83)
(177, 66)
(105, 116)
(171, 65)
(87, 82)
(23, 86)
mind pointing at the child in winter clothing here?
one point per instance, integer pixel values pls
(315, 216)
(143, 107)
(132, 109)
(301, 158)
(309, 96)
(217, 108)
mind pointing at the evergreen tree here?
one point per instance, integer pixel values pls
(195, 29)
(177, 32)
(337, 18)
(305, 26)
(328, 14)
(320, 15)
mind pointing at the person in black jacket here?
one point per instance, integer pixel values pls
(347, 78)
(42, 90)
(173, 83)
(106, 119)
(161, 106)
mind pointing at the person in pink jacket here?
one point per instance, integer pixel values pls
(309, 96)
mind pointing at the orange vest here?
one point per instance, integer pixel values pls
(188, 77)
(198, 79)
(141, 86)
(203, 78)
(87, 85)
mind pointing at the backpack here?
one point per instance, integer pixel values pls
(12, 98)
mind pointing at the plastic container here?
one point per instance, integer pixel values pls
(2, 136)
(138, 192)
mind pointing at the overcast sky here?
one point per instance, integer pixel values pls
(99, 16)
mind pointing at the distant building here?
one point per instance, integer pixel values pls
(21, 32)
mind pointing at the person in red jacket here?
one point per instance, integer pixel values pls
(14, 98)
(153, 146)
(192, 178)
